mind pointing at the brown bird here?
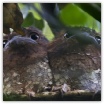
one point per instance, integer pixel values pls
(78, 65)
(70, 62)
(25, 62)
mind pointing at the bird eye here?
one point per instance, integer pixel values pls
(98, 38)
(34, 36)
(4, 43)
(67, 35)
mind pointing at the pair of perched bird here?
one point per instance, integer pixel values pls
(31, 62)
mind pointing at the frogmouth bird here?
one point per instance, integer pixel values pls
(31, 62)
(25, 63)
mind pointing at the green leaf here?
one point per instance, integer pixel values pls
(47, 31)
(71, 15)
(30, 20)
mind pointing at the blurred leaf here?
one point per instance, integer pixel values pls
(94, 9)
(36, 15)
(24, 9)
(47, 32)
(37, 5)
(71, 15)
(21, 6)
(12, 18)
(31, 21)
(74, 16)
(62, 5)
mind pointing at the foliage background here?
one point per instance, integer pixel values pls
(70, 14)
